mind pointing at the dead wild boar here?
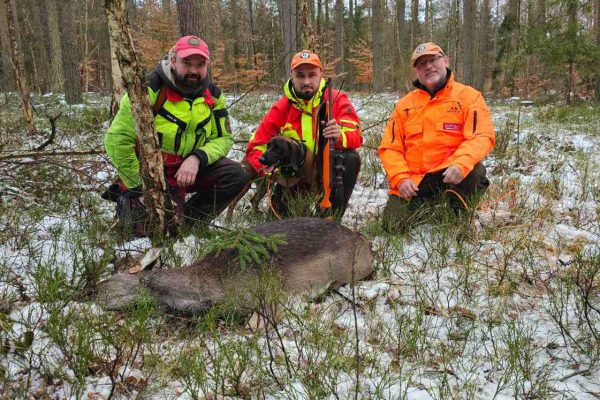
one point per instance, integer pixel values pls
(318, 254)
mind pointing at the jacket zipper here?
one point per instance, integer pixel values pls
(177, 143)
(474, 121)
(393, 128)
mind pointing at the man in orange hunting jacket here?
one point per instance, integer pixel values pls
(300, 115)
(436, 139)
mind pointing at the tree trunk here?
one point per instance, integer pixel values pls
(7, 79)
(428, 21)
(117, 79)
(319, 41)
(541, 12)
(85, 68)
(156, 199)
(484, 24)
(597, 28)
(205, 14)
(166, 7)
(187, 12)
(401, 41)
(507, 47)
(469, 36)
(287, 14)
(50, 21)
(572, 35)
(414, 24)
(252, 36)
(351, 10)
(339, 36)
(378, 44)
(38, 74)
(19, 69)
(70, 51)
(306, 38)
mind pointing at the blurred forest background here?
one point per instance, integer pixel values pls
(544, 49)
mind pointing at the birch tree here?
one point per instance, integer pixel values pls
(158, 204)
(19, 68)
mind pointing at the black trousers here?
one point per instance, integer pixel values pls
(432, 186)
(400, 213)
(282, 196)
(215, 187)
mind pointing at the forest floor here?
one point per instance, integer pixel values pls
(508, 307)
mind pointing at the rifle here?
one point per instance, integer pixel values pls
(331, 158)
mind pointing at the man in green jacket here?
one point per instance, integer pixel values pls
(191, 120)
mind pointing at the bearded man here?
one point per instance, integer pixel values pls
(191, 121)
(300, 115)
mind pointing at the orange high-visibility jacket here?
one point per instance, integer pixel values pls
(428, 134)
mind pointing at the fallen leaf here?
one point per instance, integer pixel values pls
(135, 269)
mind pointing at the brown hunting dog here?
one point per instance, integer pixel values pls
(284, 153)
(318, 254)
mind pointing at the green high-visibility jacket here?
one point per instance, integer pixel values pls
(184, 127)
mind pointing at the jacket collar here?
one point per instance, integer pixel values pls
(301, 104)
(448, 83)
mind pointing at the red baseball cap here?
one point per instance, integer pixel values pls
(190, 45)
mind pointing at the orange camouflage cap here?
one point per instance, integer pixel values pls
(425, 49)
(306, 57)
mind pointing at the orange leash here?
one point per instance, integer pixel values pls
(454, 192)
(269, 180)
(488, 204)
(465, 205)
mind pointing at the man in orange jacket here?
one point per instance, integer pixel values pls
(300, 116)
(435, 140)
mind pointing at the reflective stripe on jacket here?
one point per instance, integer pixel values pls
(183, 127)
(296, 118)
(426, 134)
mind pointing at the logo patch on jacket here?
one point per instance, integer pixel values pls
(449, 126)
(454, 109)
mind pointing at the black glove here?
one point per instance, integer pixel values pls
(112, 193)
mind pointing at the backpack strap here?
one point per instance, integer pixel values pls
(161, 98)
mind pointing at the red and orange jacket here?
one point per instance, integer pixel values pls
(426, 134)
(297, 118)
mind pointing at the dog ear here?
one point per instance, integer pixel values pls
(295, 156)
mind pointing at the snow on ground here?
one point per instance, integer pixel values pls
(443, 317)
